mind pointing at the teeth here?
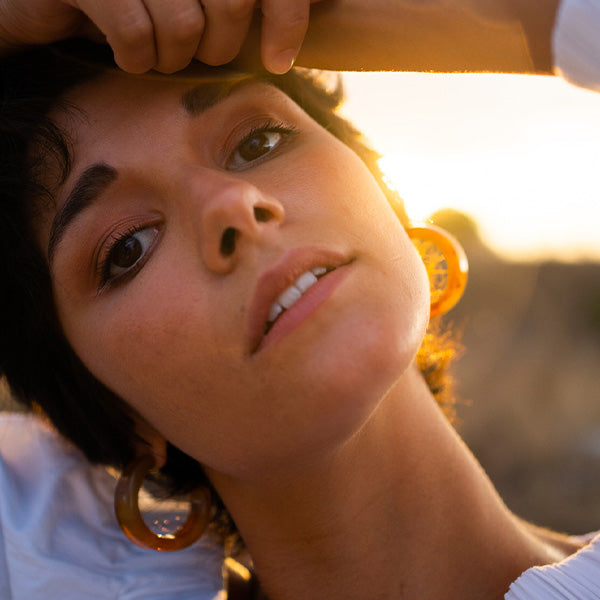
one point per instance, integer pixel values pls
(305, 281)
(275, 311)
(289, 296)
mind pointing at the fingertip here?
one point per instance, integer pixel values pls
(170, 69)
(281, 63)
(135, 65)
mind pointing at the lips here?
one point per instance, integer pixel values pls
(279, 289)
(293, 293)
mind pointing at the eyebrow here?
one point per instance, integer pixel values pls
(97, 177)
(90, 185)
(206, 95)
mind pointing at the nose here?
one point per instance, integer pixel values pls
(235, 217)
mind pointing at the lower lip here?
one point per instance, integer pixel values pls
(303, 308)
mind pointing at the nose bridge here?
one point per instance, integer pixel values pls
(232, 214)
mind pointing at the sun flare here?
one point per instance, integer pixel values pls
(521, 154)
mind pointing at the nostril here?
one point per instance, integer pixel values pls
(228, 241)
(262, 215)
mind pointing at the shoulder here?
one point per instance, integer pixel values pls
(576, 42)
(59, 537)
(575, 578)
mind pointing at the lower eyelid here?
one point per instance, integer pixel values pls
(240, 135)
(105, 279)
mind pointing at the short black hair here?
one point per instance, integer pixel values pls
(41, 368)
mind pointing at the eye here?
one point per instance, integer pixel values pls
(127, 253)
(258, 143)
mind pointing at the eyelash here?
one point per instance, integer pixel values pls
(104, 277)
(269, 126)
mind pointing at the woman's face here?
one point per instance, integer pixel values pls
(188, 213)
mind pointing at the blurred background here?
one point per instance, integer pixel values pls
(511, 166)
(517, 160)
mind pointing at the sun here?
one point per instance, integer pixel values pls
(517, 153)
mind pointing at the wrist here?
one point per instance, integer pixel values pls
(537, 20)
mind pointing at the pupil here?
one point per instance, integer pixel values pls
(127, 253)
(255, 147)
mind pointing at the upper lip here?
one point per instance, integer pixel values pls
(272, 282)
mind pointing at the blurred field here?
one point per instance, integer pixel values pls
(529, 381)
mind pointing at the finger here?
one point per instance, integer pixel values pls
(89, 31)
(178, 28)
(128, 29)
(227, 24)
(284, 26)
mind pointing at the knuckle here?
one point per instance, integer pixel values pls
(134, 30)
(237, 9)
(289, 25)
(295, 22)
(187, 24)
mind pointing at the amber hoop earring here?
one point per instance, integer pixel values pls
(130, 518)
(446, 264)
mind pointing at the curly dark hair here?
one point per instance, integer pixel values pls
(42, 370)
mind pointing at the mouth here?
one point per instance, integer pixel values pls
(287, 293)
(292, 294)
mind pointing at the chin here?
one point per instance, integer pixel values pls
(354, 368)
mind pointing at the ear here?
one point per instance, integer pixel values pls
(151, 440)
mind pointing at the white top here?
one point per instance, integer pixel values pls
(576, 42)
(576, 578)
(59, 538)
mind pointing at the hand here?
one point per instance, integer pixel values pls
(166, 36)
(283, 26)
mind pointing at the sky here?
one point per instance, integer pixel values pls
(519, 153)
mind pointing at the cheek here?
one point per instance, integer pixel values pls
(335, 185)
(138, 341)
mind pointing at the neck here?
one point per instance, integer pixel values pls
(401, 510)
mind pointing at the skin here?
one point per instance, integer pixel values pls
(165, 36)
(325, 444)
(440, 35)
(218, 401)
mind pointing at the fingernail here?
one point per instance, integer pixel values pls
(283, 62)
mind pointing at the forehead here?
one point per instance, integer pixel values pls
(118, 113)
(120, 120)
(117, 101)
(116, 94)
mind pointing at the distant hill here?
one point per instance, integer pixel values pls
(530, 379)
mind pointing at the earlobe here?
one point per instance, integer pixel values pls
(151, 442)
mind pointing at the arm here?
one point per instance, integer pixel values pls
(438, 35)
(416, 35)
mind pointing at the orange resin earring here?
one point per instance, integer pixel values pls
(446, 264)
(130, 518)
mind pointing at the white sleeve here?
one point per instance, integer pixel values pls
(59, 539)
(575, 578)
(576, 42)
(4, 577)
